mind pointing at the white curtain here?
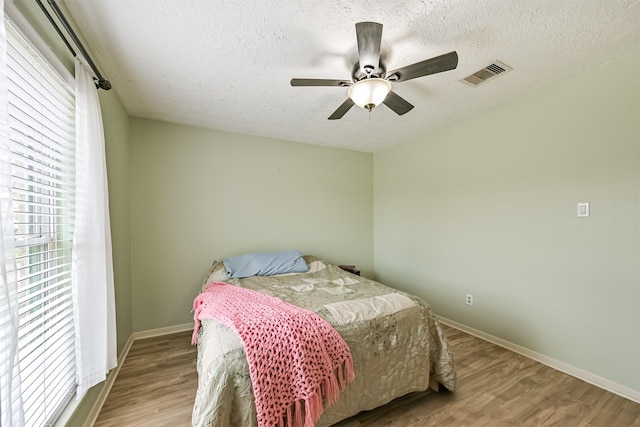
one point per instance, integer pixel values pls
(92, 265)
(11, 413)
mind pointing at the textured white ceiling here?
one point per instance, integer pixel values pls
(226, 64)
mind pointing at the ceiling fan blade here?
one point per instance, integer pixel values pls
(397, 103)
(342, 110)
(369, 36)
(320, 82)
(446, 62)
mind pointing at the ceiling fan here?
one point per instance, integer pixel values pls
(370, 84)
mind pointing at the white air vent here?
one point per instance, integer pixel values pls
(486, 73)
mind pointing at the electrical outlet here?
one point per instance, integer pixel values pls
(469, 299)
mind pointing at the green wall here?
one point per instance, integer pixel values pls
(487, 206)
(198, 195)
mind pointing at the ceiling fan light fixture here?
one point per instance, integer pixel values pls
(369, 93)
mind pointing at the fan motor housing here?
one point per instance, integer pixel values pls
(358, 75)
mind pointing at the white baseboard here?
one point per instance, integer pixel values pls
(587, 376)
(111, 378)
(162, 331)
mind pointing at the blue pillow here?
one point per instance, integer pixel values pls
(265, 264)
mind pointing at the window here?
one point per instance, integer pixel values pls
(42, 133)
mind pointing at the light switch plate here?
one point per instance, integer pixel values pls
(583, 209)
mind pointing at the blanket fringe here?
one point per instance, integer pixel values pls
(289, 415)
(197, 308)
(312, 409)
(348, 367)
(298, 412)
(331, 389)
(326, 395)
(194, 335)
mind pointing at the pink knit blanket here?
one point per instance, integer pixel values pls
(296, 359)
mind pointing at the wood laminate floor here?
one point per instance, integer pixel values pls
(496, 387)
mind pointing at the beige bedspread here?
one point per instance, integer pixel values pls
(396, 343)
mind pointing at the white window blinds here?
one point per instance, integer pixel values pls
(42, 132)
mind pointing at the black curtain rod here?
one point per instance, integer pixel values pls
(101, 82)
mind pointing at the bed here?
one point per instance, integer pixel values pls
(397, 344)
